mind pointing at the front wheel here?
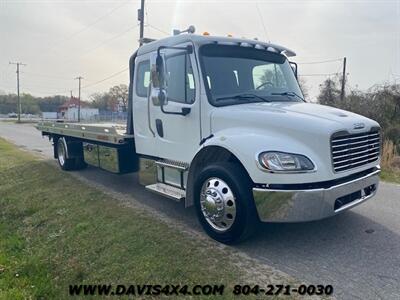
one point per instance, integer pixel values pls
(224, 202)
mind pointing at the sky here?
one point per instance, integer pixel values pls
(59, 40)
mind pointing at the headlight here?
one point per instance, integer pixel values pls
(285, 162)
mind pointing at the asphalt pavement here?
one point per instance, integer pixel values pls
(358, 252)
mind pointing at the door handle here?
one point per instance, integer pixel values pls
(159, 126)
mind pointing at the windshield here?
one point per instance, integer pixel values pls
(236, 75)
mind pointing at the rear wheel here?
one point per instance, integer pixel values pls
(66, 162)
(224, 202)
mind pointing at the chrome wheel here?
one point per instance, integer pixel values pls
(217, 203)
(61, 153)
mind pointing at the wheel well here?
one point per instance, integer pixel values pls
(204, 157)
(55, 139)
(73, 146)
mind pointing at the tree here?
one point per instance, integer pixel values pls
(104, 101)
(51, 103)
(119, 94)
(380, 103)
(29, 104)
(329, 93)
(303, 87)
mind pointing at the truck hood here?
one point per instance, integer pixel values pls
(289, 117)
(293, 127)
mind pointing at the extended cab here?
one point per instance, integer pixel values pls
(220, 123)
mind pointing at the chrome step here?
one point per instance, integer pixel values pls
(172, 192)
(173, 164)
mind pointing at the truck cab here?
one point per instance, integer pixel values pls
(221, 123)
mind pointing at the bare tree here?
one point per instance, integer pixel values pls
(103, 101)
(303, 87)
(119, 94)
(329, 93)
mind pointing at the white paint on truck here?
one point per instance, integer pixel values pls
(221, 124)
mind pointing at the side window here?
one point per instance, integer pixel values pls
(267, 76)
(181, 84)
(142, 78)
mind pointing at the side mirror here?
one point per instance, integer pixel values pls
(159, 79)
(158, 93)
(293, 65)
(158, 96)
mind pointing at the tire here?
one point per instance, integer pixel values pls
(65, 163)
(224, 202)
(80, 163)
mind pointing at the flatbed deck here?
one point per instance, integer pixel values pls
(106, 133)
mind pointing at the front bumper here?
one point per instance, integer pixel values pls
(314, 204)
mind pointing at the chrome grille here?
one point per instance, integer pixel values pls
(354, 150)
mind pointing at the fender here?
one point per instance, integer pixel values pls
(244, 144)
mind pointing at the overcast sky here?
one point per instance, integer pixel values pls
(62, 39)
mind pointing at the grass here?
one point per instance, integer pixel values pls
(390, 162)
(391, 175)
(57, 231)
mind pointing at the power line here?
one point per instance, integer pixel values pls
(319, 74)
(342, 92)
(79, 98)
(19, 99)
(158, 29)
(319, 62)
(90, 25)
(262, 22)
(109, 40)
(46, 76)
(105, 79)
(43, 87)
(141, 20)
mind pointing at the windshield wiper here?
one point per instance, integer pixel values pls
(243, 97)
(290, 94)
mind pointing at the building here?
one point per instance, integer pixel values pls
(72, 102)
(86, 113)
(46, 115)
(69, 110)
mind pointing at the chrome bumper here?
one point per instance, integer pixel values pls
(313, 204)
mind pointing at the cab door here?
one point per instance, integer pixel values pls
(144, 136)
(177, 136)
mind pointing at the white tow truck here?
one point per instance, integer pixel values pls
(220, 123)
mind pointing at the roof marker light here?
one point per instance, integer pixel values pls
(206, 33)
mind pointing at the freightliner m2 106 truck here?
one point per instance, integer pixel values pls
(220, 123)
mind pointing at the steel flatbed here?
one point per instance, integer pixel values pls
(99, 132)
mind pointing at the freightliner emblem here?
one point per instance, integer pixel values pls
(358, 125)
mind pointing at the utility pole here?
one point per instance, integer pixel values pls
(79, 98)
(141, 20)
(19, 100)
(343, 80)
